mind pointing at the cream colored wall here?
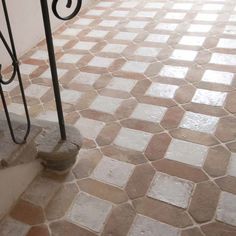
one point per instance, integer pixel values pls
(27, 25)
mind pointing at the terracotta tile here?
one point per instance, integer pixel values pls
(103, 191)
(201, 208)
(180, 170)
(122, 154)
(121, 215)
(88, 159)
(227, 183)
(28, 213)
(61, 201)
(226, 130)
(192, 232)
(139, 181)
(230, 102)
(39, 231)
(217, 161)
(61, 228)
(184, 94)
(218, 229)
(170, 214)
(157, 147)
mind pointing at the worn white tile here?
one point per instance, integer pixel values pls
(148, 112)
(12, 227)
(70, 58)
(119, 13)
(178, 72)
(148, 14)
(212, 7)
(60, 42)
(192, 40)
(199, 28)
(16, 108)
(227, 43)
(184, 55)
(121, 84)
(84, 21)
(223, 59)
(157, 38)
(175, 15)
(145, 226)
(186, 152)
(86, 78)
(199, 122)
(182, 6)
(147, 51)
(84, 45)
(95, 12)
(27, 69)
(136, 24)
(129, 4)
(89, 211)
(230, 29)
(48, 115)
(97, 33)
(219, 77)
(171, 190)
(36, 91)
(113, 172)
(206, 17)
(133, 139)
(128, 36)
(232, 165)
(114, 48)
(161, 90)
(166, 26)
(106, 104)
(208, 97)
(154, 5)
(40, 55)
(109, 23)
(89, 128)
(70, 96)
(71, 31)
(41, 191)
(104, 62)
(105, 4)
(226, 209)
(135, 66)
(47, 74)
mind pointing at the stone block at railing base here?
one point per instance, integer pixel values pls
(58, 155)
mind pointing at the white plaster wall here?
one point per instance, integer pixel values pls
(27, 24)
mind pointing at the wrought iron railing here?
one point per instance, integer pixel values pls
(11, 50)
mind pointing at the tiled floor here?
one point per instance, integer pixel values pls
(151, 86)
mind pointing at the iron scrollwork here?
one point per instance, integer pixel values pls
(68, 5)
(15, 74)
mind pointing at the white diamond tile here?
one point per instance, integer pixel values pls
(226, 210)
(137, 24)
(208, 97)
(48, 115)
(47, 74)
(206, 17)
(95, 12)
(113, 172)
(135, 66)
(71, 31)
(166, 26)
(27, 69)
(133, 139)
(129, 36)
(86, 78)
(84, 45)
(157, 38)
(232, 165)
(101, 62)
(186, 152)
(192, 40)
(154, 5)
(84, 21)
(105, 4)
(223, 59)
(89, 211)
(119, 13)
(40, 55)
(148, 14)
(109, 23)
(199, 28)
(114, 48)
(70, 96)
(182, 6)
(147, 51)
(70, 58)
(97, 33)
(121, 84)
(16, 108)
(60, 42)
(145, 226)
(89, 128)
(129, 4)
(148, 112)
(175, 15)
(227, 43)
(199, 122)
(106, 104)
(171, 189)
(184, 55)
(219, 77)
(161, 90)
(178, 72)
(36, 91)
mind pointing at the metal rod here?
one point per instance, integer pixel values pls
(53, 67)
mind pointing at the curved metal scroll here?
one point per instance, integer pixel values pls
(15, 73)
(68, 5)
